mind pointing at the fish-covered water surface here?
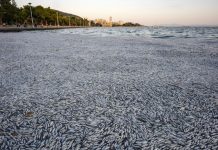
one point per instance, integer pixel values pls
(152, 32)
(109, 88)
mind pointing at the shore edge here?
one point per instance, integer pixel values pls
(16, 29)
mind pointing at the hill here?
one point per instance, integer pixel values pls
(66, 14)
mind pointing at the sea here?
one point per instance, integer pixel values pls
(150, 32)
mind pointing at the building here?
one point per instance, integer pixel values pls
(104, 22)
(110, 23)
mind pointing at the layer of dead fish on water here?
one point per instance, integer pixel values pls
(124, 117)
(57, 107)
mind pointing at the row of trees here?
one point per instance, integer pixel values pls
(10, 14)
(127, 24)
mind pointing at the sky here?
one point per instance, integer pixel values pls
(146, 12)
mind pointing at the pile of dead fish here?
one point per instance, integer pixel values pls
(120, 116)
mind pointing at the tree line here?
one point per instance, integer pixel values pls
(127, 24)
(10, 14)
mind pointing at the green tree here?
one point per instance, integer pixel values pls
(10, 14)
(8, 11)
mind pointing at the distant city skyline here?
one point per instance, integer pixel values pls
(146, 12)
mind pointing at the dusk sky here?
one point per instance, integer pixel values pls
(146, 12)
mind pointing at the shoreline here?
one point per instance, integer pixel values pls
(20, 29)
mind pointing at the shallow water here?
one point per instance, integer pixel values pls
(109, 88)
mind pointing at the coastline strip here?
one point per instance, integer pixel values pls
(17, 29)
